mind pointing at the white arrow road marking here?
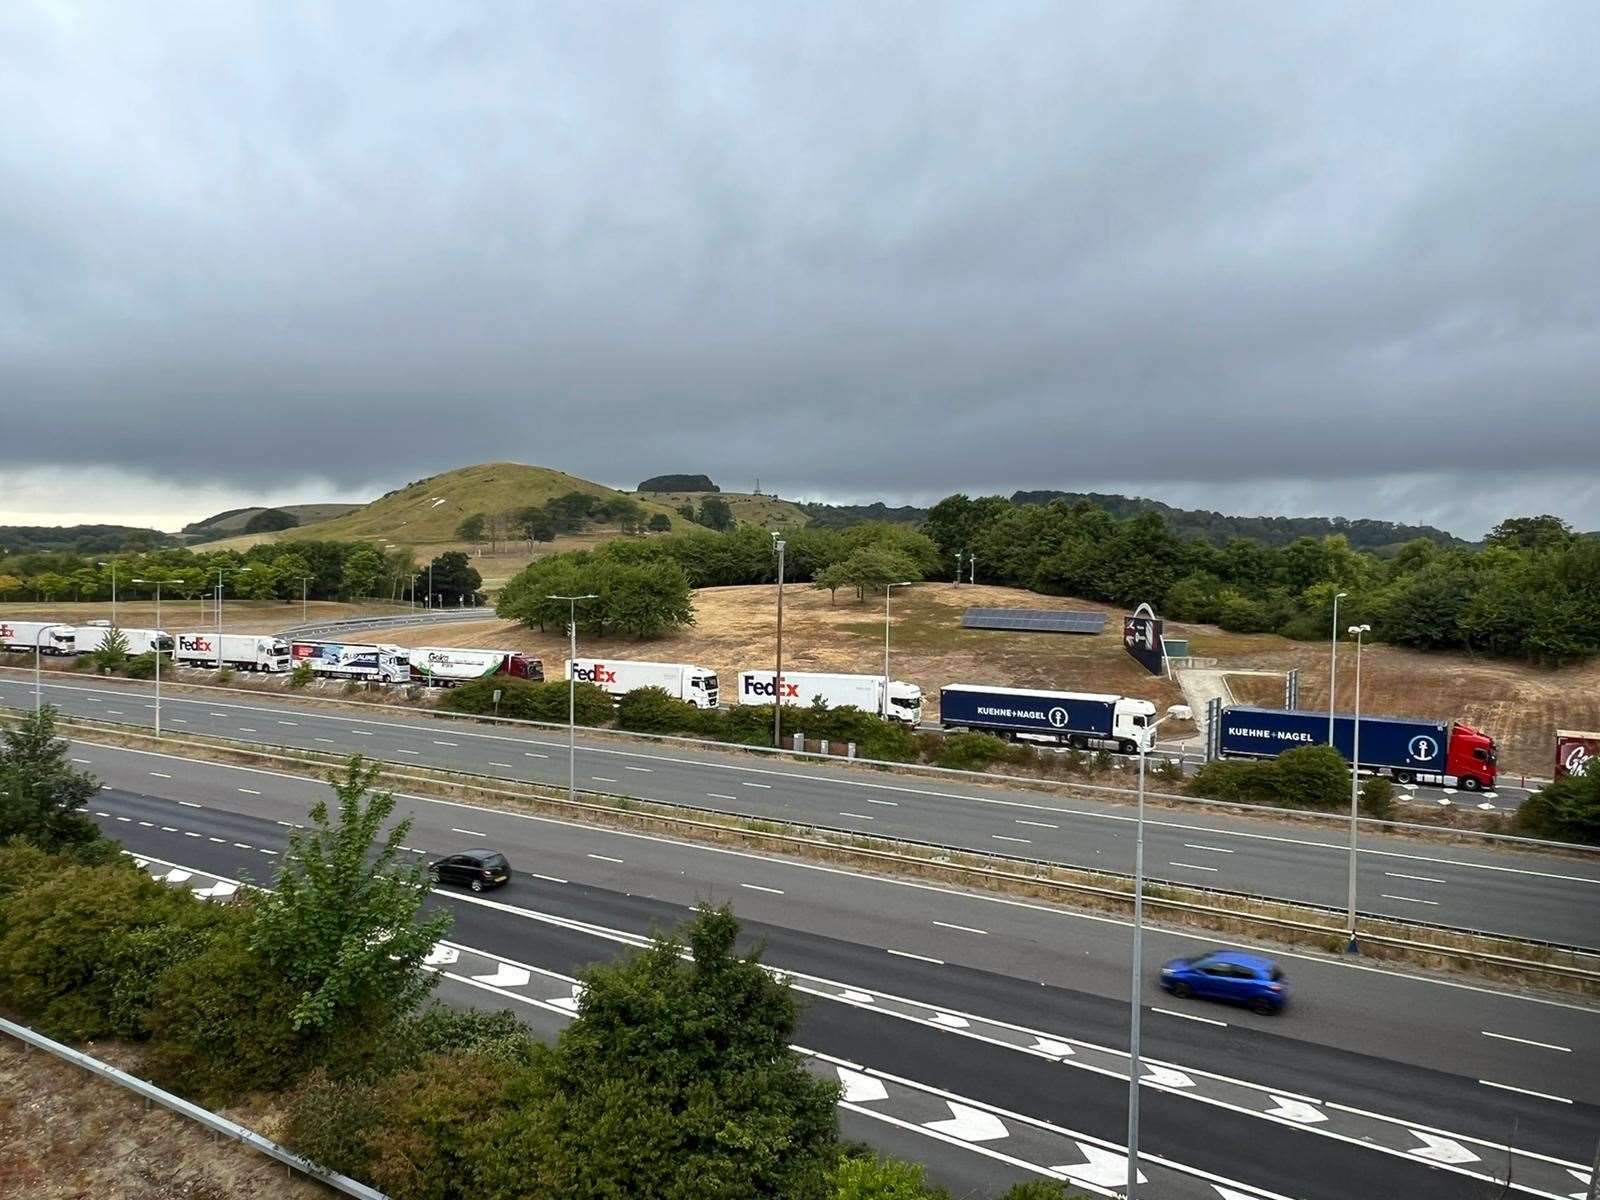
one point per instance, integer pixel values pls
(570, 1003)
(1230, 1194)
(441, 956)
(1296, 1110)
(1055, 1049)
(1105, 1168)
(175, 876)
(141, 862)
(1168, 1078)
(217, 891)
(505, 975)
(1441, 1149)
(969, 1124)
(950, 1020)
(858, 1088)
(855, 997)
(1583, 1178)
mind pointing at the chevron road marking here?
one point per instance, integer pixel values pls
(1296, 1110)
(858, 1088)
(1166, 1077)
(505, 976)
(1104, 1168)
(1442, 1149)
(442, 956)
(970, 1124)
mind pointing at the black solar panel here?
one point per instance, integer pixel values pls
(1033, 620)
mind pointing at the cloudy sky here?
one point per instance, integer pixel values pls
(1314, 258)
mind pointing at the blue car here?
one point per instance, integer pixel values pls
(1247, 979)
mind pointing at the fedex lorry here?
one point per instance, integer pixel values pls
(1085, 720)
(86, 639)
(241, 651)
(1407, 749)
(346, 660)
(618, 677)
(866, 692)
(51, 637)
(445, 666)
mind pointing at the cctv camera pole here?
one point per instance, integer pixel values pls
(572, 691)
(777, 673)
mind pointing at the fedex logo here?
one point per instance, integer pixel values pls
(599, 673)
(194, 643)
(758, 687)
(7, 630)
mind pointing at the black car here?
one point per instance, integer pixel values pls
(476, 869)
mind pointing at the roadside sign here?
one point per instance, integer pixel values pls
(1575, 750)
(1141, 638)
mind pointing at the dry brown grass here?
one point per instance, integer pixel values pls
(239, 616)
(68, 1135)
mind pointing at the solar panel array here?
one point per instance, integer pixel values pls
(1033, 620)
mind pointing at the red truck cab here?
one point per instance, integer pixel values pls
(1471, 758)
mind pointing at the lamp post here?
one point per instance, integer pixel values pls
(157, 584)
(1355, 631)
(304, 580)
(887, 589)
(572, 690)
(241, 571)
(779, 545)
(113, 565)
(38, 684)
(958, 568)
(972, 563)
(1179, 712)
(1333, 659)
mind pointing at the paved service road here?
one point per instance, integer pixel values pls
(1012, 1007)
(1549, 897)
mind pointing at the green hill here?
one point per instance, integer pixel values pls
(224, 524)
(768, 512)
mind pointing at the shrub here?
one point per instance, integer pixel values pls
(866, 1177)
(1038, 1189)
(972, 751)
(1101, 762)
(1567, 809)
(1169, 770)
(112, 651)
(873, 736)
(141, 666)
(1305, 777)
(301, 675)
(1377, 797)
(529, 701)
(225, 675)
(653, 710)
(500, 1036)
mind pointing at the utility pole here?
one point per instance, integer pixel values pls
(1333, 660)
(572, 691)
(1355, 785)
(777, 672)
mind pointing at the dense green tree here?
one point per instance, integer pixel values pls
(473, 528)
(660, 523)
(1567, 810)
(646, 600)
(112, 652)
(1531, 533)
(715, 513)
(363, 573)
(454, 580)
(41, 794)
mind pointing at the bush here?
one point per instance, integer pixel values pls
(653, 710)
(500, 1036)
(873, 736)
(1567, 810)
(301, 675)
(1314, 777)
(1039, 1189)
(1169, 770)
(225, 675)
(1101, 762)
(1377, 797)
(141, 666)
(529, 701)
(867, 1177)
(972, 751)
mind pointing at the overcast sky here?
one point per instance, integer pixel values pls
(1311, 258)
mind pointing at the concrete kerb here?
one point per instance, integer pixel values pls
(1500, 959)
(1070, 789)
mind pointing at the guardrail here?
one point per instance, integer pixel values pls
(212, 1121)
(422, 616)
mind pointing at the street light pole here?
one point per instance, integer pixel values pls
(304, 579)
(1355, 785)
(972, 562)
(38, 685)
(777, 673)
(1333, 660)
(958, 568)
(113, 565)
(887, 589)
(1146, 737)
(572, 691)
(157, 583)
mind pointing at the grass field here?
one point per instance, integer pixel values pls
(238, 616)
(768, 512)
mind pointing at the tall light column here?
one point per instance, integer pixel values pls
(1179, 712)
(113, 565)
(1355, 785)
(157, 584)
(1333, 660)
(572, 690)
(887, 589)
(779, 545)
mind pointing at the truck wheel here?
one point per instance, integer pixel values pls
(1404, 777)
(1078, 742)
(1469, 784)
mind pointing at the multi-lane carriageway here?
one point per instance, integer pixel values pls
(1546, 897)
(982, 1034)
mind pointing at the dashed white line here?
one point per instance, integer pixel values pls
(411, 752)
(1418, 878)
(362, 732)
(217, 840)
(250, 791)
(219, 714)
(85, 761)
(244, 846)
(1506, 1037)
(858, 816)
(437, 742)
(605, 858)
(98, 813)
(113, 712)
(272, 853)
(161, 775)
(329, 741)
(169, 829)
(1167, 1012)
(190, 833)
(1038, 824)
(531, 754)
(246, 729)
(885, 803)
(546, 878)
(125, 818)
(507, 766)
(747, 783)
(1000, 837)
(1506, 1087)
(756, 887)
(646, 770)
(961, 928)
(602, 779)
(177, 720)
(288, 722)
(147, 824)
(938, 962)
(1191, 866)
(188, 803)
(1410, 900)
(1213, 849)
(468, 832)
(720, 796)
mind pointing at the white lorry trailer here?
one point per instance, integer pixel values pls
(345, 660)
(618, 677)
(88, 638)
(446, 666)
(865, 692)
(241, 651)
(51, 637)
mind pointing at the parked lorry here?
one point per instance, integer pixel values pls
(1575, 750)
(866, 692)
(446, 666)
(51, 637)
(1407, 749)
(618, 677)
(241, 651)
(1085, 720)
(86, 639)
(346, 660)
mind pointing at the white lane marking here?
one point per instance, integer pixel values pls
(766, 786)
(113, 712)
(1038, 824)
(646, 770)
(500, 764)
(857, 1088)
(468, 832)
(288, 722)
(938, 962)
(244, 846)
(125, 819)
(885, 803)
(85, 761)
(756, 887)
(247, 729)
(217, 840)
(1442, 1149)
(605, 858)
(1000, 837)
(330, 741)
(962, 928)
(217, 714)
(169, 829)
(1506, 1087)
(1410, 899)
(161, 775)
(858, 816)
(1199, 846)
(188, 803)
(1192, 866)
(505, 975)
(546, 878)
(1506, 1037)
(362, 732)
(250, 791)
(1418, 878)
(190, 833)
(437, 742)
(969, 1124)
(602, 779)
(531, 754)
(720, 796)
(147, 824)
(98, 813)
(1297, 1111)
(177, 720)
(1167, 1012)
(272, 853)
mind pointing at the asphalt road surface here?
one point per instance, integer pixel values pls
(1374, 1082)
(1544, 896)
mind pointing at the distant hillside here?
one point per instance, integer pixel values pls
(1273, 531)
(768, 512)
(428, 511)
(81, 539)
(234, 520)
(836, 516)
(678, 483)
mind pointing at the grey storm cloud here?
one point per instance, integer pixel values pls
(1338, 255)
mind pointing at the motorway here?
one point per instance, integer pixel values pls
(1543, 896)
(984, 1035)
